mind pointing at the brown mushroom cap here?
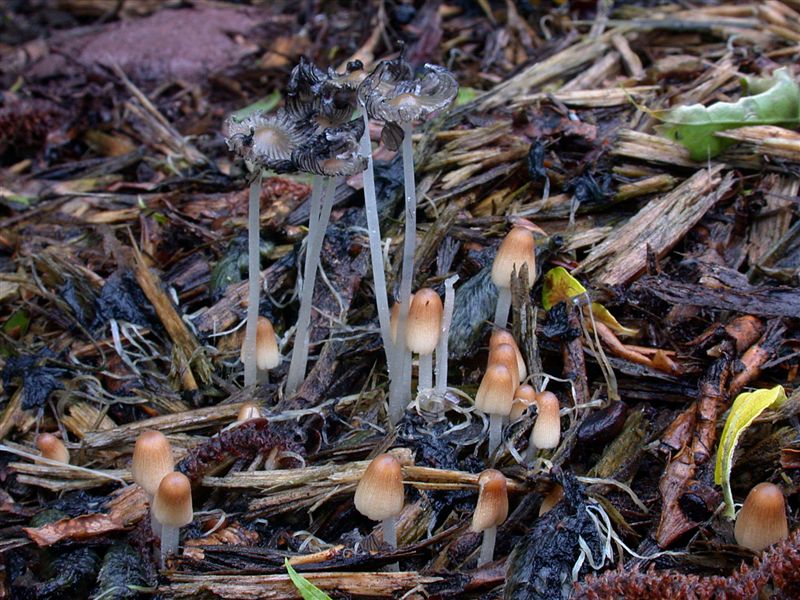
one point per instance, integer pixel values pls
(379, 494)
(492, 507)
(517, 249)
(172, 505)
(152, 460)
(524, 397)
(424, 321)
(53, 448)
(496, 392)
(762, 520)
(248, 410)
(501, 336)
(506, 355)
(546, 431)
(267, 354)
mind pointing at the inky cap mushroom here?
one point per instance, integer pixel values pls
(335, 151)
(265, 140)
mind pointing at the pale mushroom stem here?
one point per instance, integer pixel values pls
(425, 372)
(401, 388)
(441, 348)
(375, 245)
(495, 432)
(390, 538)
(503, 307)
(487, 547)
(253, 279)
(530, 454)
(297, 367)
(170, 537)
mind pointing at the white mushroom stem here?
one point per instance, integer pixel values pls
(375, 245)
(487, 547)
(297, 367)
(425, 372)
(441, 348)
(495, 432)
(389, 526)
(253, 278)
(401, 386)
(503, 307)
(169, 542)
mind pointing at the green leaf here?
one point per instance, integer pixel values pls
(559, 286)
(777, 102)
(601, 313)
(744, 411)
(465, 95)
(17, 324)
(266, 104)
(307, 589)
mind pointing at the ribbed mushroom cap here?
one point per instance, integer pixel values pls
(496, 392)
(424, 321)
(762, 520)
(547, 429)
(492, 507)
(379, 494)
(395, 315)
(517, 249)
(267, 354)
(524, 397)
(501, 336)
(152, 459)
(172, 505)
(53, 448)
(505, 354)
(553, 498)
(265, 139)
(249, 410)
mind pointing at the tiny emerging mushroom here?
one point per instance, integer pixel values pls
(380, 496)
(518, 248)
(268, 356)
(172, 507)
(490, 511)
(249, 410)
(424, 327)
(52, 448)
(502, 336)
(504, 354)
(152, 460)
(524, 397)
(546, 432)
(762, 520)
(494, 398)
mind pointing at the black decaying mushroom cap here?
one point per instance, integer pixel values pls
(266, 140)
(333, 152)
(302, 91)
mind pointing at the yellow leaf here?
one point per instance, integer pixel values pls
(559, 286)
(601, 313)
(744, 411)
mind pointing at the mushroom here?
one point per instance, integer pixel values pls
(52, 448)
(495, 396)
(506, 355)
(264, 141)
(379, 495)
(268, 356)
(552, 498)
(546, 432)
(490, 511)
(502, 336)
(517, 249)
(390, 93)
(331, 153)
(424, 327)
(524, 397)
(152, 460)
(762, 520)
(172, 507)
(248, 410)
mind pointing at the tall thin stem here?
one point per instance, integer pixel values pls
(425, 372)
(495, 433)
(253, 279)
(442, 346)
(503, 307)
(487, 547)
(389, 526)
(400, 387)
(297, 367)
(375, 245)
(170, 537)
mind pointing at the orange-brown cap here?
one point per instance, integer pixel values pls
(546, 431)
(379, 494)
(395, 315)
(152, 459)
(172, 505)
(553, 498)
(496, 392)
(506, 355)
(762, 520)
(524, 397)
(267, 354)
(248, 410)
(53, 448)
(501, 336)
(424, 321)
(517, 249)
(492, 507)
